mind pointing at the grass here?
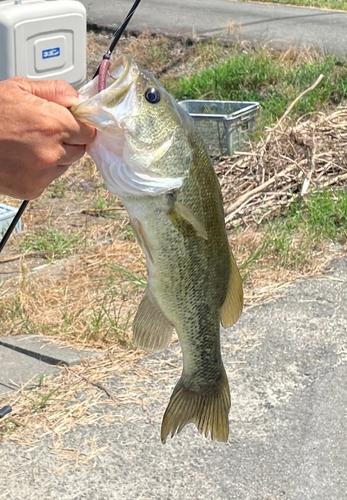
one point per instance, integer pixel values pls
(291, 240)
(99, 320)
(323, 4)
(126, 232)
(129, 276)
(104, 318)
(105, 206)
(51, 243)
(262, 75)
(40, 401)
(58, 189)
(323, 215)
(90, 300)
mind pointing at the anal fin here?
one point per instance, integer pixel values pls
(232, 307)
(152, 330)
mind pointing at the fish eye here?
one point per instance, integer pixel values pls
(152, 95)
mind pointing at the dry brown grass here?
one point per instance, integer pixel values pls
(54, 405)
(291, 160)
(80, 299)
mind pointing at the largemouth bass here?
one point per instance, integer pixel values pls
(151, 156)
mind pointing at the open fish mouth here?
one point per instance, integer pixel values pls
(117, 81)
(119, 69)
(116, 74)
(105, 109)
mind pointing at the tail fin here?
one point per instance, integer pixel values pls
(208, 411)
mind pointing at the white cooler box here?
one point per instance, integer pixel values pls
(43, 39)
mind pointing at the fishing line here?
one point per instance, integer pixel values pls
(103, 66)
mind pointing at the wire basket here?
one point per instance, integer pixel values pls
(223, 125)
(7, 214)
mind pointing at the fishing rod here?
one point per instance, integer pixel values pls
(13, 224)
(117, 34)
(102, 69)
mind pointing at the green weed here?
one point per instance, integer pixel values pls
(51, 242)
(321, 216)
(78, 197)
(261, 75)
(290, 241)
(108, 320)
(255, 256)
(104, 206)
(57, 189)
(127, 233)
(129, 276)
(160, 54)
(106, 317)
(13, 312)
(100, 203)
(39, 401)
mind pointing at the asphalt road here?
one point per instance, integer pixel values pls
(269, 23)
(287, 366)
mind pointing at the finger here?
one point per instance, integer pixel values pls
(71, 154)
(73, 131)
(79, 133)
(56, 91)
(51, 175)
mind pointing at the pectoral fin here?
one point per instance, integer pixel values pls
(188, 216)
(232, 307)
(151, 329)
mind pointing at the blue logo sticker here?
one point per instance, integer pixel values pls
(48, 53)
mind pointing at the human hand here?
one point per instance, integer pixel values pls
(39, 137)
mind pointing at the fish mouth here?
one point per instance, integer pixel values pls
(107, 108)
(116, 77)
(119, 78)
(120, 68)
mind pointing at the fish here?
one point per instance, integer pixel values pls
(152, 157)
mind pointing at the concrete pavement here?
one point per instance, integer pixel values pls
(17, 369)
(287, 366)
(281, 25)
(28, 357)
